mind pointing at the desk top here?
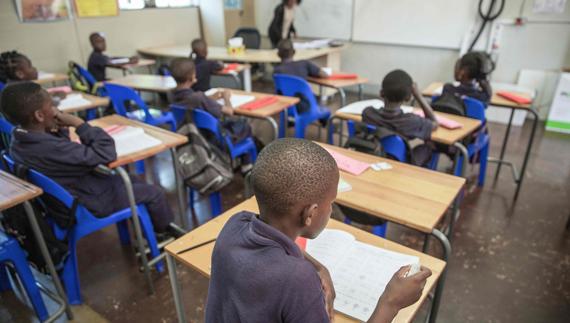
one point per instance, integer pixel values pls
(412, 196)
(199, 259)
(283, 103)
(141, 63)
(337, 84)
(95, 101)
(146, 82)
(250, 55)
(496, 100)
(441, 135)
(169, 139)
(14, 191)
(45, 78)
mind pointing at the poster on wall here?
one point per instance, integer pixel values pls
(559, 116)
(96, 8)
(42, 10)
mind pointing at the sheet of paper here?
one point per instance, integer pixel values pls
(120, 60)
(358, 107)
(443, 121)
(44, 75)
(347, 164)
(129, 139)
(211, 91)
(343, 186)
(549, 6)
(72, 101)
(237, 100)
(318, 43)
(360, 272)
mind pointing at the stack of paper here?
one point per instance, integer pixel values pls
(44, 75)
(360, 272)
(130, 140)
(319, 43)
(238, 100)
(72, 101)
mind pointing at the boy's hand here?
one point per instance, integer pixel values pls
(404, 291)
(68, 120)
(328, 290)
(415, 90)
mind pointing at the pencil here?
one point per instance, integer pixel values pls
(196, 246)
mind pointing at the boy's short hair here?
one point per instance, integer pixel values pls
(182, 69)
(94, 35)
(20, 100)
(198, 44)
(291, 172)
(397, 86)
(471, 64)
(285, 49)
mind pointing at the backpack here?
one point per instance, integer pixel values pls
(202, 166)
(363, 141)
(449, 103)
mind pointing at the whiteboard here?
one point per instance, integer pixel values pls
(430, 23)
(313, 18)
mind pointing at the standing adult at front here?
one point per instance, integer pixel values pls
(281, 26)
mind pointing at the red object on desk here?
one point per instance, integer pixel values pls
(443, 121)
(343, 76)
(65, 89)
(230, 68)
(514, 97)
(301, 243)
(260, 103)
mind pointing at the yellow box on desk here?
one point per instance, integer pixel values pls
(236, 50)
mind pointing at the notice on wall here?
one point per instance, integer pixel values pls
(42, 10)
(559, 116)
(549, 6)
(96, 8)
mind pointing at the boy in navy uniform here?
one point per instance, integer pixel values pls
(259, 274)
(397, 89)
(302, 69)
(15, 67)
(98, 61)
(472, 81)
(184, 73)
(204, 67)
(41, 141)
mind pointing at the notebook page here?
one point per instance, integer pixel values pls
(132, 139)
(238, 100)
(358, 107)
(72, 101)
(44, 75)
(361, 277)
(330, 247)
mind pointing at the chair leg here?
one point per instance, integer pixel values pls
(282, 124)
(483, 154)
(4, 280)
(32, 290)
(380, 230)
(139, 167)
(123, 230)
(330, 132)
(191, 197)
(148, 232)
(434, 161)
(216, 203)
(459, 166)
(70, 277)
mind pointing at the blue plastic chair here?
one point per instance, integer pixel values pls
(11, 252)
(87, 223)
(5, 133)
(2, 85)
(475, 109)
(294, 86)
(121, 94)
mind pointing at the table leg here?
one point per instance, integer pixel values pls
(465, 154)
(331, 130)
(47, 258)
(180, 195)
(136, 224)
(171, 265)
(359, 92)
(342, 97)
(432, 316)
(275, 126)
(454, 216)
(527, 153)
(247, 80)
(504, 147)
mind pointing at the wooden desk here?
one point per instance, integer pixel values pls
(269, 111)
(339, 85)
(245, 71)
(142, 62)
(95, 102)
(45, 78)
(199, 259)
(149, 83)
(501, 102)
(14, 191)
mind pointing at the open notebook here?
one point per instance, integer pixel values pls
(72, 101)
(360, 272)
(237, 100)
(359, 106)
(130, 140)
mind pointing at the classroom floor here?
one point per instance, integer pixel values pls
(510, 263)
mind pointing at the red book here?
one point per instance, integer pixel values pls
(259, 103)
(230, 68)
(343, 76)
(514, 97)
(301, 243)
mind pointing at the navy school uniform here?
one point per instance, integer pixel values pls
(472, 90)
(302, 69)
(72, 165)
(97, 64)
(260, 275)
(204, 70)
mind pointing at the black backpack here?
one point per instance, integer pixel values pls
(449, 103)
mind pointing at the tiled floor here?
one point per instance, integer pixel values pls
(510, 262)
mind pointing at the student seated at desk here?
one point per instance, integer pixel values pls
(472, 79)
(41, 141)
(98, 61)
(397, 89)
(303, 68)
(183, 71)
(259, 274)
(204, 67)
(15, 67)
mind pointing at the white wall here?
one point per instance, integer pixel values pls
(213, 22)
(51, 45)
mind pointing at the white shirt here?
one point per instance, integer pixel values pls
(288, 17)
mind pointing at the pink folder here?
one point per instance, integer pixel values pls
(443, 121)
(347, 164)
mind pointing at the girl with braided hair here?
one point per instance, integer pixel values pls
(15, 66)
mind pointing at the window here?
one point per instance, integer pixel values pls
(142, 4)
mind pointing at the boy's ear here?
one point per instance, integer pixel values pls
(38, 116)
(382, 94)
(19, 74)
(308, 214)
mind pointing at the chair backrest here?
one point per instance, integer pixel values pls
(5, 126)
(474, 109)
(396, 147)
(251, 37)
(121, 94)
(179, 113)
(294, 86)
(206, 121)
(83, 74)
